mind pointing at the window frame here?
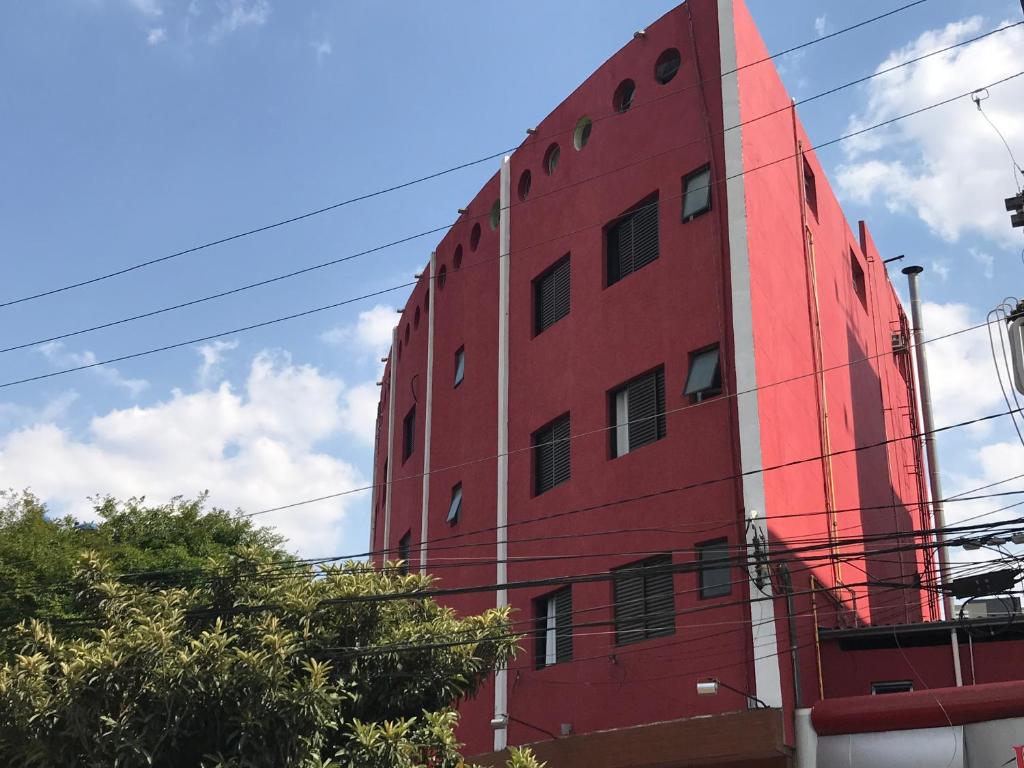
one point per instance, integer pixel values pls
(405, 547)
(810, 188)
(552, 273)
(460, 366)
(553, 645)
(409, 434)
(859, 279)
(612, 254)
(619, 428)
(686, 193)
(699, 396)
(715, 591)
(538, 440)
(647, 622)
(895, 686)
(455, 505)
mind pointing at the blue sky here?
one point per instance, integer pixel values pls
(136, 128)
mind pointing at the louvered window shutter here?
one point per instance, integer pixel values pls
(633, 242)
(551, 455)
(659, 598)
(629, 605)
(551, 299)
(563, 624)
(646, 411)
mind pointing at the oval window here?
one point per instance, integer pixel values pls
(667, 66)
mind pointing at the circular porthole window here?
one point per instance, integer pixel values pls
(442, 276)
(426, 302)
(457, 257)
(623, 98)
(551, 156)
(406, 333)
(416, 319)
(495, 217)
(581, 135)
(474, 237)
(667, 65)
(525, 180)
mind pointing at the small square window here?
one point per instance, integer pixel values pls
(456, 505)
(409, 434)
(697, 194)
(554, 628)
(810, 188)
(460, 366)
(704, 379)
(715, 571)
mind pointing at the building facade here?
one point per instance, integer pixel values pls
(653, 382)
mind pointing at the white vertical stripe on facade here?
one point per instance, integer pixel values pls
(767, 678)
(386, 545)
(427, 419)
(501, 675)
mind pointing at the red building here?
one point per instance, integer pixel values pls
(652, 364)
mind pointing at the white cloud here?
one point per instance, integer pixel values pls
(322, 49)
(371, 333)
(212, 355)
(941, 268)
(946, 166)
(156, 36)
(985, 261)
(962, 375)
(821, 25)
(54, 352)
(151, 8)
(255, 449)
(236, 14)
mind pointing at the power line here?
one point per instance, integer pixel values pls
(408, 183)
(531, 200)
(335, 305)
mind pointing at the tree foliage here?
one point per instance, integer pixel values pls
(263, 665)
(38, 554)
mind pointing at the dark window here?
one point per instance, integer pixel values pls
(810, 189)
(892, 686)
(697, 194)
(525, 182)
(409, 434)
(551, 296)
(667, 65)
(551, 455)
(622, 99)
(645, 603)
(859, 284)
(384, 483)
(715, 573)
(704, 378)
(554, 627)
(632, 241)
(456, 505)
(460, 366)
(638, 412)
(551, 156)
(405, 551)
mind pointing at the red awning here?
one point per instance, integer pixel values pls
(919, 709)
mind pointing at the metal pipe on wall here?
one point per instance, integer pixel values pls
(934, 480)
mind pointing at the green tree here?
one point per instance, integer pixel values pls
(263, 665)
(38, 553)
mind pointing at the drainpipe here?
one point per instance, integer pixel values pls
(934, 481)
(787, 585)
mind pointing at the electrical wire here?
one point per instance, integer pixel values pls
(335, 305)
(529, 201)
(411, 182)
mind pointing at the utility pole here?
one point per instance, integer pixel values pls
(934, 480)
